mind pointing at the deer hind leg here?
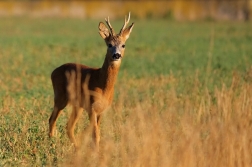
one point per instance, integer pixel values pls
(52, 121)
(72, 122)
(59, 104)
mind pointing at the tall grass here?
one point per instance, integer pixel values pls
(180, 99)
(166, 129)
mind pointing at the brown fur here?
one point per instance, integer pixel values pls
(88, 88)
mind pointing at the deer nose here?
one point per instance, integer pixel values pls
(116, 56)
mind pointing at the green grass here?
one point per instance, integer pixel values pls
(169, 66)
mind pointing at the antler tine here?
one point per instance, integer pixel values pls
(109, 25)
(126, 21)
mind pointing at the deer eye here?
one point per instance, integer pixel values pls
(123, 46)
(110, 45)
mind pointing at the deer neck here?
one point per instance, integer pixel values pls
(108, 75)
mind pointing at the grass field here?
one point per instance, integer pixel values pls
(183, 96)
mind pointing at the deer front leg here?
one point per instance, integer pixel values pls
(97, 131)
(95, 125)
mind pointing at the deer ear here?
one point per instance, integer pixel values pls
(104, 32)
(127, 31)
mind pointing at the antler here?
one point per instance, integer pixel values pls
(125, 24)
(110, 27)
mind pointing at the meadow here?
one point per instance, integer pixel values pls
(183, 96)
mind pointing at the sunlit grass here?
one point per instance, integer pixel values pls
(183, 95)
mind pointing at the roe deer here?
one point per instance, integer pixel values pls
(89, 88)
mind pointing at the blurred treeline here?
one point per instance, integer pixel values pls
(171, 9)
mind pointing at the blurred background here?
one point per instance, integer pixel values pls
(183, 96)
(172, 9)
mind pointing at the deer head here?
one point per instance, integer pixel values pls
(115, 42)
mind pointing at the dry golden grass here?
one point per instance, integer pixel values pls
(149, 124)
(155, 126)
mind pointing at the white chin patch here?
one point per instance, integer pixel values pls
(116, 59)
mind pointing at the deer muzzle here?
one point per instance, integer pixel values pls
(116, 56)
